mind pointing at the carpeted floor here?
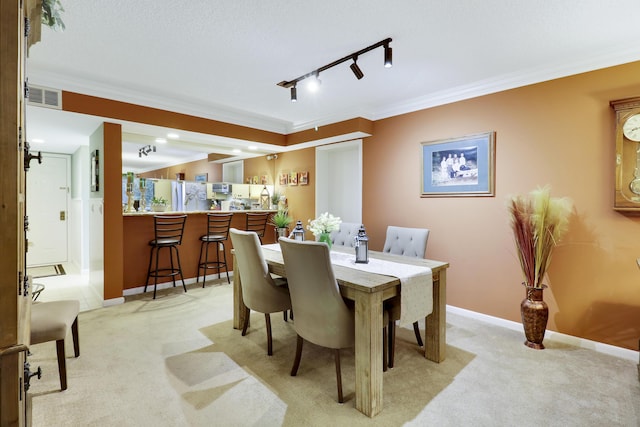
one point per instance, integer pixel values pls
(176, 361)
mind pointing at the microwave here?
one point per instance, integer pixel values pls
(221, 187)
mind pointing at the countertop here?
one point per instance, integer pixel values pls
(197, 212)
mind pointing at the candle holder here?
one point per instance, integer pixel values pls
(130, 202)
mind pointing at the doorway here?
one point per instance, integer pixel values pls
(47, 209)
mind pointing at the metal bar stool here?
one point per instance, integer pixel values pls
(217, 233)
(257, 222)
(168, 234)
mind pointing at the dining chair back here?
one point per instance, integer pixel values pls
(409, 242)
(321, 315)
(260, 292)
(345, 235)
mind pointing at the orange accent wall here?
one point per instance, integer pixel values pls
(113, 229)
(560, 133)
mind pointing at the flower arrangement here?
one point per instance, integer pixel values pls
(324, 224)
(538, 223)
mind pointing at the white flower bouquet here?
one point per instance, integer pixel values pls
(324, 224)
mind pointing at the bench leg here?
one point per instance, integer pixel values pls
(76, 338)
(62, 364)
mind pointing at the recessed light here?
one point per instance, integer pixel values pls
(38, 140)
(173, 135)
(252, 147)
(161, 140)
(236, 150)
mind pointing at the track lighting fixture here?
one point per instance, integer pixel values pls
(356, 70)
(388, 62)
(146, 150)
(388, 56)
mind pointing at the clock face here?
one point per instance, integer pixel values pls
(631, 128)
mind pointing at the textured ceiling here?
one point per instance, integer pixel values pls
(222, 59)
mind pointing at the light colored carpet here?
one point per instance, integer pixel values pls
(176, 361)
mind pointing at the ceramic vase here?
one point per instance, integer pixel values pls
(281, 232)
(535, 314)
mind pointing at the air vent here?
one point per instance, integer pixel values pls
(45, 97)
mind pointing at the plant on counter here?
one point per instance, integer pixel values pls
(281, 219)
(160, 201)
(275, 198)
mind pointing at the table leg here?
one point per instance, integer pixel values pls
(239, 309)
(368, 353)
(436, 322)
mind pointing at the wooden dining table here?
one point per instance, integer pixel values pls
(368, 291)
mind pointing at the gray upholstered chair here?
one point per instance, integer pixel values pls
(51, 321)
(260, 291)
(345, 234)
(321, 315)
(409, 242)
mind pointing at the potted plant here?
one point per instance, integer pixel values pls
(159, 204)
(281, 220)
(275, 199)
(538, 222)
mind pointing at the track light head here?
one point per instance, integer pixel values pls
(356, 69)
(388, 56)
(294, 94)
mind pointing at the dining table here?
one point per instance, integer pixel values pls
(369, 291)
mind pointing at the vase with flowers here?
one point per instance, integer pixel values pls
(538, 222)
(322, 227)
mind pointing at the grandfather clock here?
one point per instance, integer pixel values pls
(15, 288)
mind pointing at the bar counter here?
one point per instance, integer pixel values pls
(138, 230)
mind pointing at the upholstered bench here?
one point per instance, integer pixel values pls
(50, 321)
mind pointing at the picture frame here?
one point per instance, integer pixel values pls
(284, 179)
(263, 180)
(462, 166)
(95, 170)
(293, 178)
(303, 178)
(202, 177)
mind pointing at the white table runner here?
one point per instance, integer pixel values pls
(416, 291)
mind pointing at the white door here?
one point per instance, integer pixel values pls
(47, 195)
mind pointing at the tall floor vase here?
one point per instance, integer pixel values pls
(535, 314)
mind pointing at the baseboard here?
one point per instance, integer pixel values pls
(166, 285)
(113, 301)
(611, 350)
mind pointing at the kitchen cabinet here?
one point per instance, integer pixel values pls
(241, 191)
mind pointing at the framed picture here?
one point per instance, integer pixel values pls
(293, 178)
(202, 177)
(263, 179)
(303, 178)
(95, 170)
(284, 179)
(461, 166)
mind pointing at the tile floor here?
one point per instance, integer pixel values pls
(72, 285)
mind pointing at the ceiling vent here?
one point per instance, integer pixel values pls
(45, 97)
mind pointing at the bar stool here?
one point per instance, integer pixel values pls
(257, 222)
(168, 234)
(217, 233)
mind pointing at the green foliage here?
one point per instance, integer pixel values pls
(281, 219)
(51, 14)
(159, 201)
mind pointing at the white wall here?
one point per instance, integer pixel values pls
(339, 180)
